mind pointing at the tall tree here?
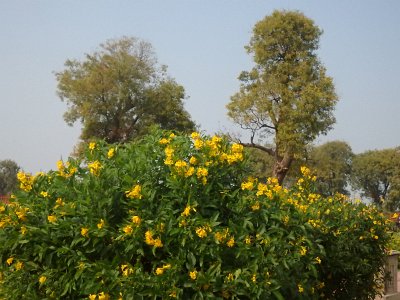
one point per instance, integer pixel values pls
(377, 175)
(286, 100)
(332, 163)
(8, 176)
(119, 91)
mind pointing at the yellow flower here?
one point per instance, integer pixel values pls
(237, 148)
(94, 168)
(92, 145)
(60, 166)
(193, 160)
(230, 277)
(195, 135)
(180, 164)
(128, 229)
(318, 260)
(85, 232)
(255, 206)
(201, 232)
(303, 251)
(23, 230)
(134, 192)
(164, 141)
(231, 242)
(300, 288)
(198, 143)
(186, 211)
(103, 296)
(189, 172)
(159, 271)
(158, 243)
(92, 297)
(247, 240)
(254, 278)
(10, 260)
(42, 279)
(101, 224)
(52, 218)
(111, 152)
(193, 275)
(44, 194)
(247, 185)
(136, 220)
(19, 265)
(201, 172)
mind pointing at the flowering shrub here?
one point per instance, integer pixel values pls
(179, 217)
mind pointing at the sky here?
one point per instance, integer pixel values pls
(202, 43)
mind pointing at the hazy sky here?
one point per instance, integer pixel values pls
(202, 42)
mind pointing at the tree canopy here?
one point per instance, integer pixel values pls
(119, 91)
(287, 99)
(376, 173)
(8, 176)
(332, 163)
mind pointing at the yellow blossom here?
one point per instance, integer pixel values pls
(44, 194)
(255, 206)
(300, 288)
(195, 135)
(111, 152)
(94, 168)
(247, 185)
(103, 296)
(52, 218)
(303, 251)
(198, 143)
(134, 192)
(201, 232)
(201, 172)
(318, 260)
(230, 277)
(247, 240)
(23, 230)
(101, 224)
(85, 232)
(231, 242)
(186, 211)
(92, 297)
(42, 279)
(164, 141)
(193, 160)
(193, 275)
(92, 145)
(158, 243)
(10, 260)
(237, 148)
(254, 278)
(19, 265)
(159, 271)
(128, 229)
(136, 220)
(189, 172)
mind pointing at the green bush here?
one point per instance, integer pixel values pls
(179, 217)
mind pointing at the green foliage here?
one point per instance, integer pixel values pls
(119, 92)
(286, 99)
(331, 163)
(178, 217)
(377, 174)
(8, 176)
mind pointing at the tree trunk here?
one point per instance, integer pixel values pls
(281, 167)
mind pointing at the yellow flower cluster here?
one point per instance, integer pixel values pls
(126, 270)
(202, 231)
(66, 170)
(149, 240)
(85, 232)
(111, 153)
(134, 192)
(26, 181)
(100, 296)
(193, 274)
(186, 211)
(160, 270)
(95, 167)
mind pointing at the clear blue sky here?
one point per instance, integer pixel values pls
(202, 44)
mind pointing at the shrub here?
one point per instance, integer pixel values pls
(179, 217)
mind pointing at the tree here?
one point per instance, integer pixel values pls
(119, 92)
(377, 174)
(286, 100)
(332, 164)
(8, 176)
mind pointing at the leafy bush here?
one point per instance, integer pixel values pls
(179, 217)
